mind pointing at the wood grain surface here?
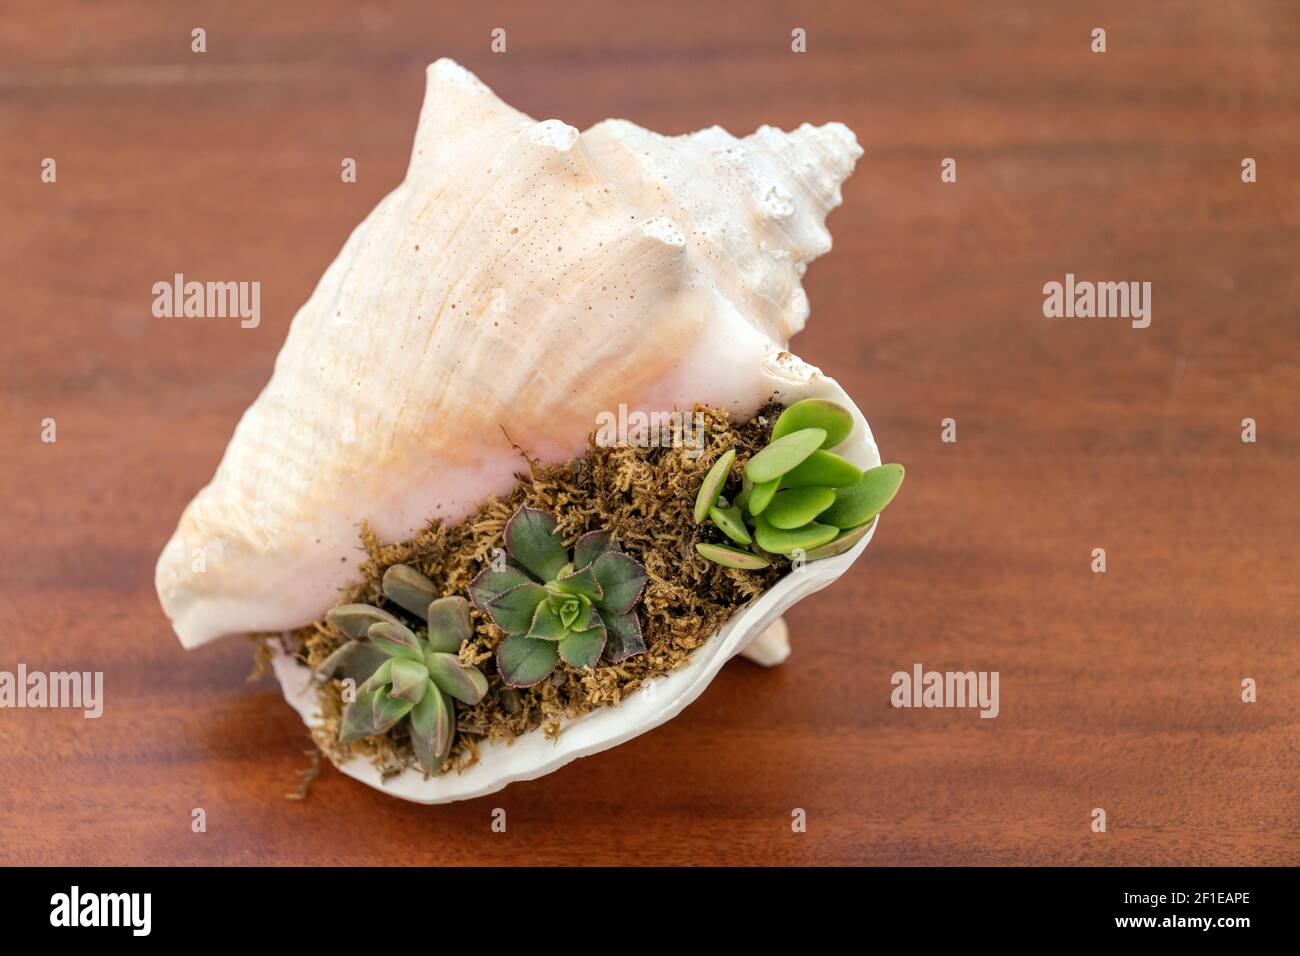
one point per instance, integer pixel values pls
(1118, 690)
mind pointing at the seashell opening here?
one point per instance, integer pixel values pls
(756, 632)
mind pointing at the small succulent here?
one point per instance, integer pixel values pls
(555, 607)
(406, 674)
(796, 495)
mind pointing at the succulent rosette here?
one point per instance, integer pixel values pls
(405, 673)
(555, 606)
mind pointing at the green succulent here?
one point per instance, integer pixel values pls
(554, 606)
(796, 495)
(404, 674)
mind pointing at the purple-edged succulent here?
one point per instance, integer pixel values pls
(555, 607)
(405, 673)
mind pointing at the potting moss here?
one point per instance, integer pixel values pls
(645, 497)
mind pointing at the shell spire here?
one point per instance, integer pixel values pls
(757, 205)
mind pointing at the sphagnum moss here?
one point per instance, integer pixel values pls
(645, 498)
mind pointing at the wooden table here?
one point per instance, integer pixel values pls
(1119, 690)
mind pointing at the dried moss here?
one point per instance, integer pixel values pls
(263, 652)
(308, 776)
(643, 495)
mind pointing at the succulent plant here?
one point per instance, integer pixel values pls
(404, 674)
(554, 606)
(796, 495)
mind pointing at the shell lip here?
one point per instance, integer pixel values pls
(532, 755)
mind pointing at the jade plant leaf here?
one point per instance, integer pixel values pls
(532, 540)
(731, 523)
(782, 541)
(409, 589)
(761, 495)
(466, 684)
(707, 496)
(742, 499)
(583, 648)
(860, 502)
(796, 498)
(732, 557)
(513, 611)
(845, 541)
(523, 661)
(783, 454)
(822, 468)
(795, 507)
(624, 637)
(621, 578)
(834, 419)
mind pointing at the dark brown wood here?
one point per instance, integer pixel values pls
(1119, 691)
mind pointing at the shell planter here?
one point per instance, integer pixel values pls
(523, 595)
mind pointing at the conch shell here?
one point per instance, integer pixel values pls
(522, 279)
